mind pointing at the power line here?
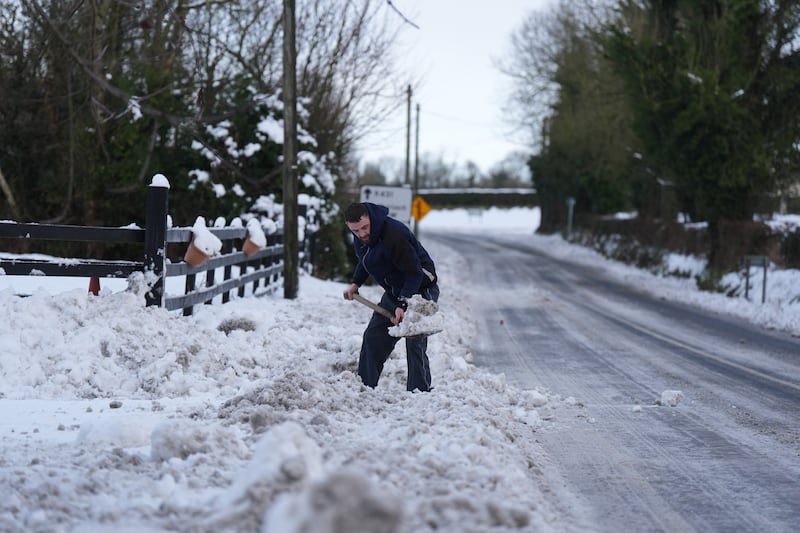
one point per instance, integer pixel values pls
(461, 120)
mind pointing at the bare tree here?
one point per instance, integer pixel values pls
(540, 52)
(531, 67)
(347, 70)
(349, 55)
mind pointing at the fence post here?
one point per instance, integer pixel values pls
(227, 247)
(747, 278)
(155, 237)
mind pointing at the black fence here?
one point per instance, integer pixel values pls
(262, 269)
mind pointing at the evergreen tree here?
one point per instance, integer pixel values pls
(713, 87)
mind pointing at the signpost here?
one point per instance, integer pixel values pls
(397, 199)
(570, 212)
(755, 260)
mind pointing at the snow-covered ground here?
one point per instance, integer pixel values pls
(249, 416)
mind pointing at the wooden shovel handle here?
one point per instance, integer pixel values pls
(375, 307)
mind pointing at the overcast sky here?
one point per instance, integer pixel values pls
(462, 91)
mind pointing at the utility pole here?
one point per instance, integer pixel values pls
(290, 244)
(416, 167)
(408, 137)
(416, 155)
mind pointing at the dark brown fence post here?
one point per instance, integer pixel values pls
(227, 247)
(155, 237)
(188, 288)
(210, 274)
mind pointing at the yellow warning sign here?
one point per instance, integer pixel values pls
(419, 208)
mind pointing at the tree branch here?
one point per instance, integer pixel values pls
(406, 20)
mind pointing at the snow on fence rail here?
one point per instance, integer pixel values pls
(238, 269)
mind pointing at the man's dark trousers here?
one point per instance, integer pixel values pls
(377, 346)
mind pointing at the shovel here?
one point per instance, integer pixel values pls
(415, 323)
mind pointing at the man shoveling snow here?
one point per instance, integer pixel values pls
(388, 251)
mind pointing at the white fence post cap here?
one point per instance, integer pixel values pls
(160, 180)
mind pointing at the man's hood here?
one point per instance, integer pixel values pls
(377, 218)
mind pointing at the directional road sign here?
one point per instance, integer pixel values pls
(397, 199)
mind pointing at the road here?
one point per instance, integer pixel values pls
(726, 458)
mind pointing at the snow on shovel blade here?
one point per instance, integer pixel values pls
(421, 317)
(415, 324)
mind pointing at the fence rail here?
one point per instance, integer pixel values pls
(238, 270)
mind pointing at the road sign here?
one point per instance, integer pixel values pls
(419, 208)
(397, 199)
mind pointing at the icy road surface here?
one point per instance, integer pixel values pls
(684, 420)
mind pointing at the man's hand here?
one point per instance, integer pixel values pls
(399, 313)
(350, 291)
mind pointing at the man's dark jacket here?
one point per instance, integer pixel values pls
(394, 257)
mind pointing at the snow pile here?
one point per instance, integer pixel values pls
(250, 417)
(203, 239)
(256, 233)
